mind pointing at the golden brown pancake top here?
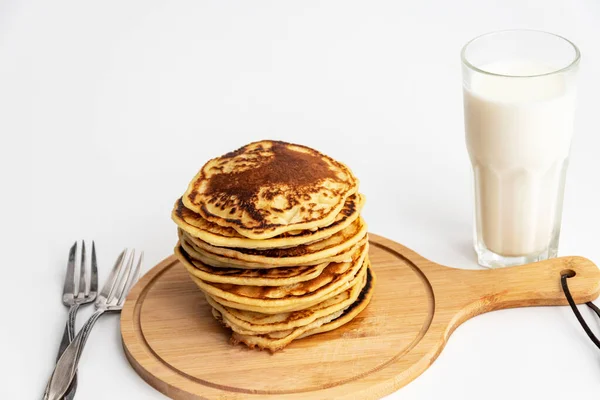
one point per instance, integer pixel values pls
(268, 170)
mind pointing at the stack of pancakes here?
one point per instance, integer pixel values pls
(272, 234)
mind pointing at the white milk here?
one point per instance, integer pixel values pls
(518, 133)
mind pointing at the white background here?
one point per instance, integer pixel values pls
(108, 108)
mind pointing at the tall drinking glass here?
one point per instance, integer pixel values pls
(519, 103)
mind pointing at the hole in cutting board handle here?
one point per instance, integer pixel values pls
(565, 287)
(569, 273)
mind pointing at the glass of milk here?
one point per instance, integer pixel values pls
(519, 102)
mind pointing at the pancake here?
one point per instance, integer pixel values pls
(268, 188)
(276, 341)
(248, 321)
(307, 254)
(253, 277)
(333, 276)
(299, 304)
(221, 236)
(223, 262)
(351, 312)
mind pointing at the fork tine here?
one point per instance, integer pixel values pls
(94, 278)
(108, 287)
(69, 286)
(134, 274)
(82, 273)
(123, 278)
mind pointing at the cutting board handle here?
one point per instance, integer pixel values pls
(536, 284)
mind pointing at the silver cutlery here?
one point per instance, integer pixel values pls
(77, 292)
(111, 298)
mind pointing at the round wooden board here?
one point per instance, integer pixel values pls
(174, 343)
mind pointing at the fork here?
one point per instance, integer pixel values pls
(111, 299)
(74, 297)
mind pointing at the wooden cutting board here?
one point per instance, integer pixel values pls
(173, 342)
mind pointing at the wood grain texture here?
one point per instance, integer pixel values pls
(172, 341)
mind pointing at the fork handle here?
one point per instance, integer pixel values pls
(69, 333)
(68, 336)
(66, 367)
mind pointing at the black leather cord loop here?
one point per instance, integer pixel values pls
(586, 328)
